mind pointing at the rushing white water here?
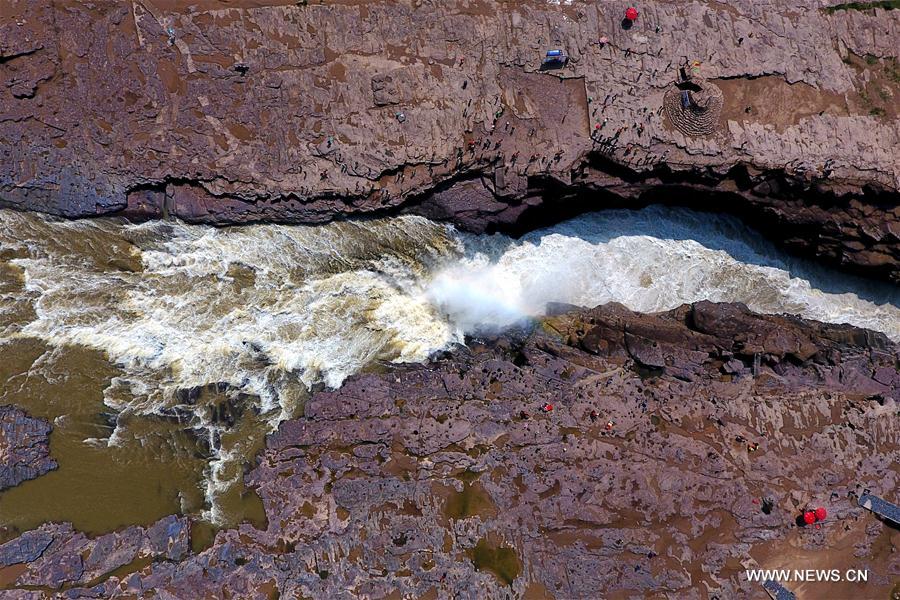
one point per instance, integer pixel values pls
(265, 310)
(651, 260)
(269, 310)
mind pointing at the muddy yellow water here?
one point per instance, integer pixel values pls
(163, 353)
(157, 477)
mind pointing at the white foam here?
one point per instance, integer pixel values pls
(652, 260)
(316, 305)
(271, 310)
(477, 296)
(264, 307)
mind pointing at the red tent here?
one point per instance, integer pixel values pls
(631, 13)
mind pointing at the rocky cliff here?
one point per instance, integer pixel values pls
(247, 110)
(604, 454)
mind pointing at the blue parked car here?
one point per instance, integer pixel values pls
(554, 59)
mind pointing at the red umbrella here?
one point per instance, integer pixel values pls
(631, 13)
(809, 517)
(821, 514)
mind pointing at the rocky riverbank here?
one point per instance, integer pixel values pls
(229, 112)
(603, 452)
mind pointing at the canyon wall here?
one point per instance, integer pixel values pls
(254, 110)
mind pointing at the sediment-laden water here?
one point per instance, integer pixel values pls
(163, 352)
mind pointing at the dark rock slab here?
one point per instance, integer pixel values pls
(24, 447)
(25, 548)
(55, 556)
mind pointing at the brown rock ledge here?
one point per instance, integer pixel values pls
(679, 450)
(239, 111)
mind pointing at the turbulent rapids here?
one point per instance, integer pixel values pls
(200, 340)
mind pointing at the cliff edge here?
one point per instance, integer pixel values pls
(254, 110)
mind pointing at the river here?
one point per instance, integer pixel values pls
(164, 352)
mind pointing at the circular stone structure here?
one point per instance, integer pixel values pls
(698, 114)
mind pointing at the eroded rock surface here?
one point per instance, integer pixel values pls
(606, 453)
(24, 447)
(55, 557)
(251, 110)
